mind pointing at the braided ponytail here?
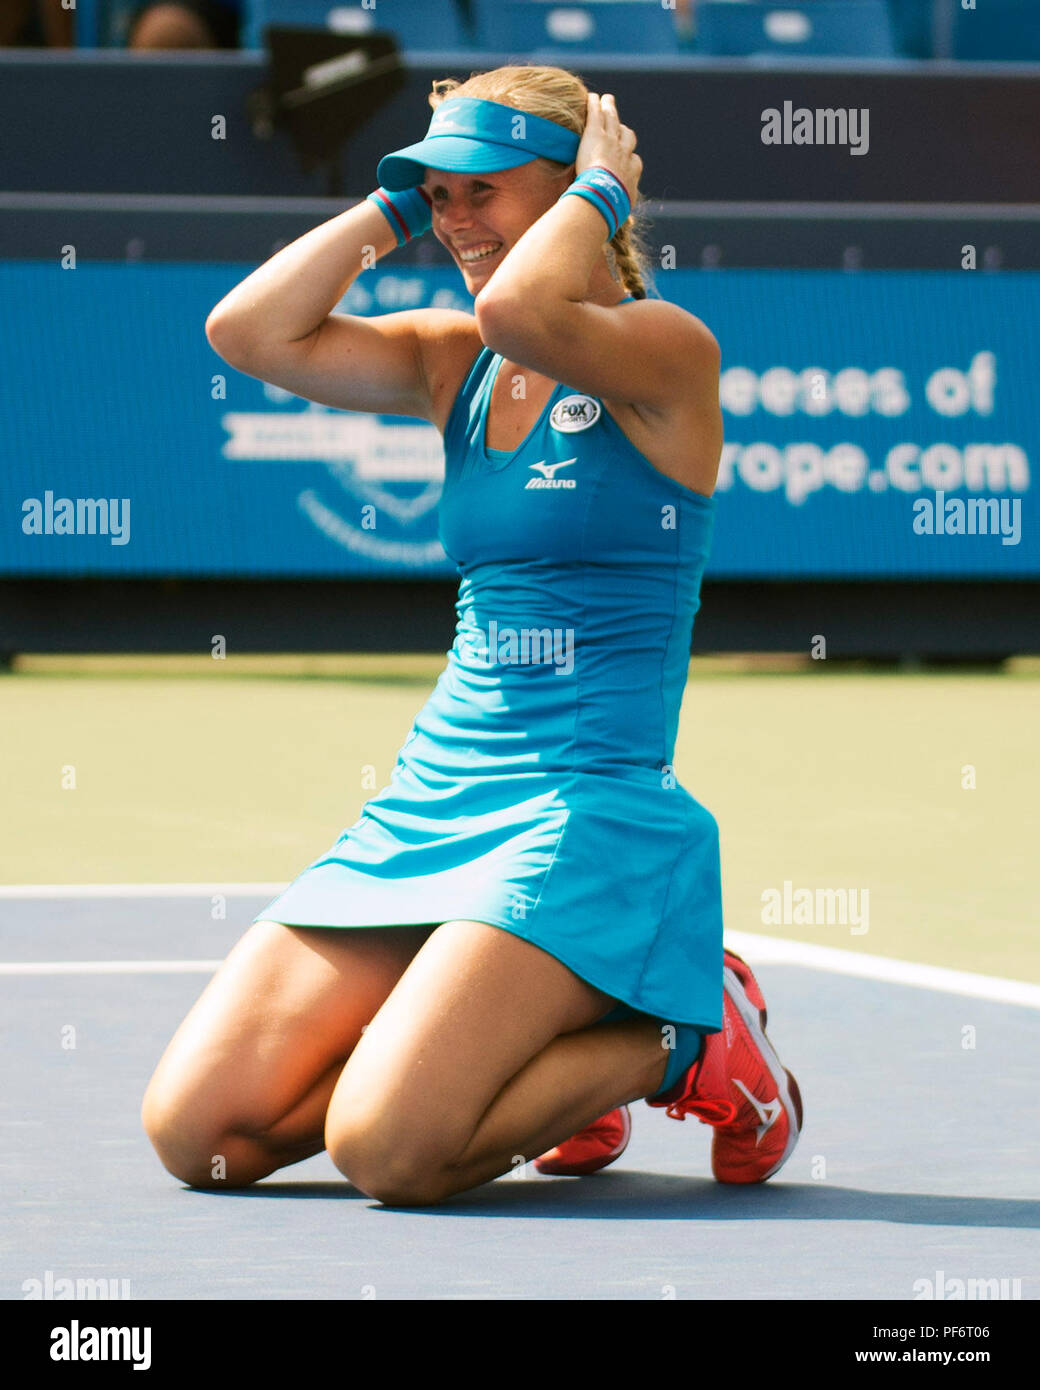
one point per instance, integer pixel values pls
(628, 256)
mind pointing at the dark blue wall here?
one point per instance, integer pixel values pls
(122, 122)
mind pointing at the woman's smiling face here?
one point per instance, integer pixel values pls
(480, 217)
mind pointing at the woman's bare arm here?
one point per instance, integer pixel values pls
(278, 325)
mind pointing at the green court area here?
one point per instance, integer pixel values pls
(918, 788)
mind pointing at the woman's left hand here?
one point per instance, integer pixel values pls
(607, 142)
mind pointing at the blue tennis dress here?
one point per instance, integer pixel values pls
(535, 790)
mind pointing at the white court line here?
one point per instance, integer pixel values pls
(109, 967)
(771, 950)
(141, 890)
(756, 949)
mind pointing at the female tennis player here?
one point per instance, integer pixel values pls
(522, 933)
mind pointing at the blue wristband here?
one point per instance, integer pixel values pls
(606, 193)
(408, 212)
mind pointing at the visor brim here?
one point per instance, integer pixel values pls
(406, 168)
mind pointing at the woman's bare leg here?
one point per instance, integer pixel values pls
(482, 1054)
(243, 1086)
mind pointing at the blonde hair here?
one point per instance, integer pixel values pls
(556, 95)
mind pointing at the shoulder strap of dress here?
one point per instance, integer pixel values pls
(462, 406)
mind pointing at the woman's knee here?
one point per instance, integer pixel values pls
(391, 1165)
(194, 1145)
(182, 1152)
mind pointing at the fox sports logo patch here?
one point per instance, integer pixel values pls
(574, 413)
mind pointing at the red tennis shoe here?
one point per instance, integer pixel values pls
(739, 1085)
(591, 1149)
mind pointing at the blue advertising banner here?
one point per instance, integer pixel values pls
(877, 424)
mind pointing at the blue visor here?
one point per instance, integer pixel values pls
(468, 135)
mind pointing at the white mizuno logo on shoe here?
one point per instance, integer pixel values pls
(768, 1113)
(548, 472)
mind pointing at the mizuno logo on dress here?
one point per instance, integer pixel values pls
(548, 472)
